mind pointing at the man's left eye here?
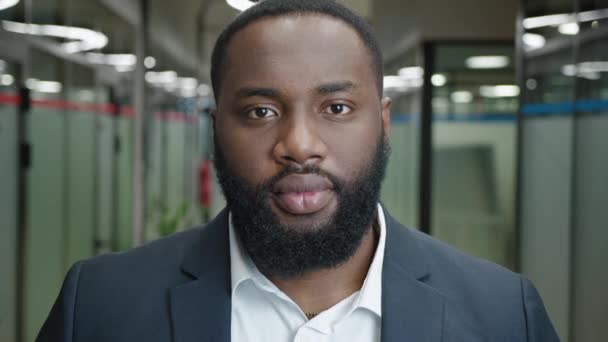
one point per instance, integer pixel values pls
(337, 108)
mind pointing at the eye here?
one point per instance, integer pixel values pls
(338, 109)
(261, 113)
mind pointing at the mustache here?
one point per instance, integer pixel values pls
(269, 183)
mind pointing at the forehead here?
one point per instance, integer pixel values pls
(300, 50)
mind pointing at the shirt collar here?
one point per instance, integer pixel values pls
(242, 269)
(371, 291)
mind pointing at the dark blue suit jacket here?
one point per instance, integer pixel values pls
(178, 289)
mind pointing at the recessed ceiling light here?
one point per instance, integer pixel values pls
(150, 62)
(487, 62)
(439, 80)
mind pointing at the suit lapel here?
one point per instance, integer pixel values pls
(411, 310)
(201, 308)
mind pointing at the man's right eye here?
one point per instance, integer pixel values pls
(261, 113)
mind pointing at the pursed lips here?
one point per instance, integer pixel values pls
(302, 183)
(301, 194)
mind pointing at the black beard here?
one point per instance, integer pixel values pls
(286, 252)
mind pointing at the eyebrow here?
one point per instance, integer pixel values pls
(335, 87)
(255, 91)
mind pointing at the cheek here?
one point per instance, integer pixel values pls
(351, 146)
(246, 153)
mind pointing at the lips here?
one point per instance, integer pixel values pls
(302, 194)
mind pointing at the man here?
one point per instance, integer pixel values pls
(303, 252)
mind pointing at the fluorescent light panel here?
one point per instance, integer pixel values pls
(507, 90)
(44, 86)
(487, 62)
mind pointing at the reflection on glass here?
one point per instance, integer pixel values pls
(400, 188)
(474, 104)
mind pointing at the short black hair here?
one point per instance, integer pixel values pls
(278, 8)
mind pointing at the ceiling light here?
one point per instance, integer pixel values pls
(188, 83)
(124, 68)
(569, 29)
(82, 39)
(462, 96)
(593, 15)
(160, 78)
(569, 70)
(395, 83)
(564, 18)
(43, 86)
(4, 4)
(547, 20)
(534, 40)
(593, 75)
(241, 5)
(439, 80)
(112, 59)
(588, 70)
(415, 72)
(203, 90)
(531, 84)
(487, 62)
(499, 91)
(150, 62)
(598, 66)
(7, 80)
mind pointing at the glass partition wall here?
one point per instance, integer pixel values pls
(474, 106)
(74, 97)
(564, 161)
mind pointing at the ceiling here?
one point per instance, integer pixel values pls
(175, 25)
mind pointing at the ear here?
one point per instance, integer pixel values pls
(386, 115)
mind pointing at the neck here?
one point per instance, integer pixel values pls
(318, 290)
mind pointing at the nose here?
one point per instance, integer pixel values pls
(299, 142)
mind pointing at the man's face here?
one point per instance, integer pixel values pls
(299, 131)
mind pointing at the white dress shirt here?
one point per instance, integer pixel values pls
(261, 312)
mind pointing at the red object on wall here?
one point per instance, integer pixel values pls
(204, 183)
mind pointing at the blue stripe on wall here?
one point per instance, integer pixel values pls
(592, 106)
(565, 108)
